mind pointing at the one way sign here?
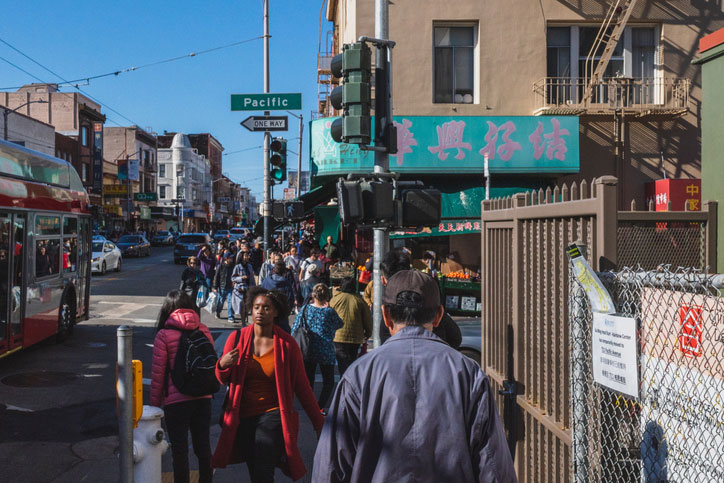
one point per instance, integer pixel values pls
(266, 123)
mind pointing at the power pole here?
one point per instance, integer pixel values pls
(299, 158)
(383, 116)
(266, 207)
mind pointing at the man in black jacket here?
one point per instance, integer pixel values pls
(223, 285)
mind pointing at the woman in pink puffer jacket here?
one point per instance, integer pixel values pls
(182, 412)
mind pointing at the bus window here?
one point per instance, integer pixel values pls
(4, 275)
(70, 254)
(70, 244)
(46, 257)
(47, 225)
(18, 255)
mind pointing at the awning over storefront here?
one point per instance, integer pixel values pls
(453, 226)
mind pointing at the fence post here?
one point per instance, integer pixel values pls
(712, 234)
(606, 224)
(578, 359)
(125, 402)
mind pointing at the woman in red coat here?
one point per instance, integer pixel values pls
(264, 371)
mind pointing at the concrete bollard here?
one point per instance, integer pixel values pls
(149, 444)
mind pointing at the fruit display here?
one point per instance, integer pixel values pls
(458, 275)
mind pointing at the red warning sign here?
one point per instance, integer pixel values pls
(691, 330)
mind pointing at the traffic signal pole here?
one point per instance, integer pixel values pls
(266, 206)
(383, 115)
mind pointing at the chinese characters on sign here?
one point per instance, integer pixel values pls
(459, 227)
(429, 144)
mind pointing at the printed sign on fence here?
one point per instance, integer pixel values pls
(614, 353)
(682, 386)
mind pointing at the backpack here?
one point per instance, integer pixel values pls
(193, 371)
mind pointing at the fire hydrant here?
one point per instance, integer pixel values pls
(149, 444)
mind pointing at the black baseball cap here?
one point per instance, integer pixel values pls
(416, 282)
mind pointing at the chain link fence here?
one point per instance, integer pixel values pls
(646, 244)
(670, 426)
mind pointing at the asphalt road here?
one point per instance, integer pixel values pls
(57, 401)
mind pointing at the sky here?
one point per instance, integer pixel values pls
(82, 39)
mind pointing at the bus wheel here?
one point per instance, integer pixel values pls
(66, 318)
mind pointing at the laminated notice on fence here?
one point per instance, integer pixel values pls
(597, 294)
(614, 353)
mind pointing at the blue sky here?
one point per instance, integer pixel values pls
(78, 39)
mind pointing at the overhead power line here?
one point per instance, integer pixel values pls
(64, 80)
(89, 78)
(242, 150)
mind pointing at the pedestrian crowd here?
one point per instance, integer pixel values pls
(414, 409)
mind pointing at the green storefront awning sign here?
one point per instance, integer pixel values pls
(461, 226)
(459, 144)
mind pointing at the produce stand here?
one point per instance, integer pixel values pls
(460, 297)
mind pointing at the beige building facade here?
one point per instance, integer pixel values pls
(526, 58)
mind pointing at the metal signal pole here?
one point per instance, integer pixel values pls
(383, 116)
(266, 207)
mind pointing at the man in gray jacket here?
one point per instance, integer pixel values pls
(414, 409)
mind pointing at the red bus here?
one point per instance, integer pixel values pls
(45, 248)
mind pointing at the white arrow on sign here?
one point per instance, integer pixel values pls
(266, 123)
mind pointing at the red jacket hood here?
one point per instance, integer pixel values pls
(184, 319)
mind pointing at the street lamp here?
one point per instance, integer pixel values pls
(7, 111)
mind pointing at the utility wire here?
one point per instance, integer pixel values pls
(242, 150)
(64, 80)
(22, 70)
(87, 79)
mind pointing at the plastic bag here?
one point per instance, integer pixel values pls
(211, 303)
(202, 296)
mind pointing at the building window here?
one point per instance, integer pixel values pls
(162, 170)
(180, 192)
(84, 136)
(454, 64)
(84, 172)
(162, 192)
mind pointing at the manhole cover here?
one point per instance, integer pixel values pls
(40, 379)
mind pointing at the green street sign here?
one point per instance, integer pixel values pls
(266, 102)
(144, 196)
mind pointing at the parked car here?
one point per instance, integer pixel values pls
(189, 245)
(221, 235)
(134, 245)
(105, 256)
(470, 330)
(163, 237)
(238, 233)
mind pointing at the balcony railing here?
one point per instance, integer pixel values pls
(647, 96)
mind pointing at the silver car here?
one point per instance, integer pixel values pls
(471, 345)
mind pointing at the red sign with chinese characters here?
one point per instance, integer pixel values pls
(678, 191)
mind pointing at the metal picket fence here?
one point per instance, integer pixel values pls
(674, 430)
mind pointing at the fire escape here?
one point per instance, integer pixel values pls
(325, 81)
(594, 94)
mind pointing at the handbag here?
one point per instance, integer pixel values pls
(237, 335)
(301, 335)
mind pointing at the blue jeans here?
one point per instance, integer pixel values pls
(224, 295)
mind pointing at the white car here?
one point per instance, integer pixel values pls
(237, 233)
(106, 256)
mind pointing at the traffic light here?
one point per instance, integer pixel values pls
(353, 97)
(420, 207)
(278, 159)
(377, 197)
(349, 199)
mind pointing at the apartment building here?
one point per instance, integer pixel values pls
(184, 183)
(72, 114)
(639, 121)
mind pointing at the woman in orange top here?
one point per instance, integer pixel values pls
(264, 372)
